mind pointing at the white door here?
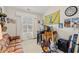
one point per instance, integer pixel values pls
(27, 27)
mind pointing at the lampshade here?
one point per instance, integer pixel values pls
(0, 32)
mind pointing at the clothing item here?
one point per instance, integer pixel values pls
(39, 37)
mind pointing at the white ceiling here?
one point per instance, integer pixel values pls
(34, 9)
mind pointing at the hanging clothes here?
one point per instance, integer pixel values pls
(77, 45)
(72, 43)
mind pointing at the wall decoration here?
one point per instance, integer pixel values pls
(53, 18)
(70, 11)
(9, 20)
(75, 22)
(60, 25)
(71, 22)
(56, 17)
(66, 23)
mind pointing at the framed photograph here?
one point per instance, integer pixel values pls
(72, 22)
(67, 24)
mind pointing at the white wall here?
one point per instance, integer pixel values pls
(14, 14)
(11, 28)
(65, 32)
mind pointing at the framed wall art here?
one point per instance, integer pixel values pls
(53, 18)
(72, 22)
(71, 11)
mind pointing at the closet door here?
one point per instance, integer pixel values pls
(27, 27)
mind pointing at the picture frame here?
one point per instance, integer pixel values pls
(71, 22)
(67, 24)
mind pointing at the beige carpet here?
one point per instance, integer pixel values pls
(30, 46)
